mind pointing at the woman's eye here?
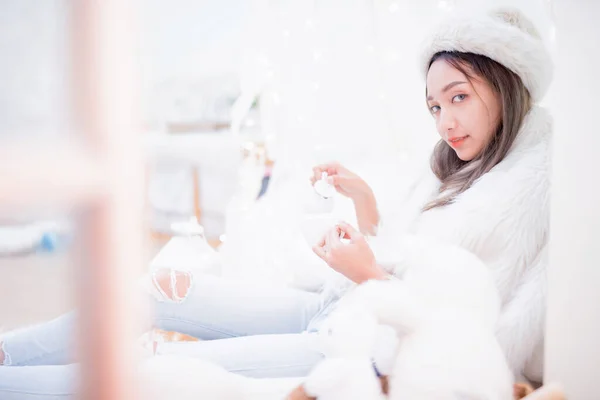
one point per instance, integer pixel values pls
(434, 109)
(458, 98)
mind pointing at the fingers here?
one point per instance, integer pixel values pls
(331, 168)
(316, 175)
(342, 234)
(322, 242)
(337, 180)
(320, 251)
(333, 238)
(349, 231)
(330, 241)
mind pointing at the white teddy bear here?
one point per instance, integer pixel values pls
(444, 314)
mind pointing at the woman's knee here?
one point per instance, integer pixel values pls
(3, 359)
(171, 285)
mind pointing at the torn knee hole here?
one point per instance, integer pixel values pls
(4, 358)
(173, 285)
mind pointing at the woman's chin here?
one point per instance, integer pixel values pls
(465, 155)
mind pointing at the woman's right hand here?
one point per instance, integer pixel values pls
(346, 182)
(353, 186)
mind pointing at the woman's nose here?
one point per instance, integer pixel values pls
(446, 122)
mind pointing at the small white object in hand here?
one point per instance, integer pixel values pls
(189, 228)
(324, 188)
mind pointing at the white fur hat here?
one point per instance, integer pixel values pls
(505, 35)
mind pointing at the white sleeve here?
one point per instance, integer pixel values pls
(396, 190)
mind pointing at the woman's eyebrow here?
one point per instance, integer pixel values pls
(448, 87)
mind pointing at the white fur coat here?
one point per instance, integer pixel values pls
(503, 219)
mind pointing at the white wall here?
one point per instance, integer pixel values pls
(181, 42)
(33, 61)
(190, 53)
(573, 326)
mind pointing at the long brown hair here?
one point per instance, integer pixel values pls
(455, 174)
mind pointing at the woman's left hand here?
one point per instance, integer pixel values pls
(353, 259)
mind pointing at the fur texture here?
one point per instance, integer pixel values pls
(445, 319)
(503, 219)
(505, 36)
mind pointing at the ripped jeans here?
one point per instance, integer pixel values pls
(256, 331)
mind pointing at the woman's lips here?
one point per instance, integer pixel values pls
(457, 141)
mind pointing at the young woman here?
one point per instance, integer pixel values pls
(487, 192)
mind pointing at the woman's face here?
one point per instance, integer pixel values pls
(467, 112)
